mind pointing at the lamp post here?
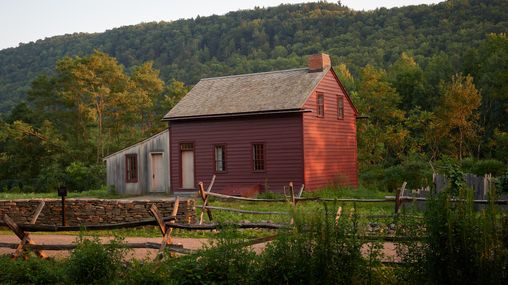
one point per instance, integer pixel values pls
(62, 192)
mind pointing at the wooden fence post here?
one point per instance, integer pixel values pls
(24, 236)
(399, 194)
(337, 216)
(301, 191)
(166, 233)
(204, 197)
(293, 201)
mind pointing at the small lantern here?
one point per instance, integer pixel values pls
(62, 191)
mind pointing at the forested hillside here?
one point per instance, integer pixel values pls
(267, 39)
(432, 80)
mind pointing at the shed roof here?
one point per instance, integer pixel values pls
(164, 132)
(248, 93)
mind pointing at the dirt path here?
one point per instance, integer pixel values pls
(140, 253)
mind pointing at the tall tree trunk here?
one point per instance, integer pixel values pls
(100, 144)
(461, 138)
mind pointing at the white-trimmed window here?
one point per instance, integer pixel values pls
(220, 158)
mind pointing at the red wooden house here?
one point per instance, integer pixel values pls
(259, 131)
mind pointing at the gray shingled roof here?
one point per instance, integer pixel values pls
(257, 92)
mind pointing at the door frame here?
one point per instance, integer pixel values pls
(151, 171)
(181, 163)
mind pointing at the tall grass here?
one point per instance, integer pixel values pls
(316, 251)
(456, 244)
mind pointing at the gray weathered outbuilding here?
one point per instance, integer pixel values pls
(141, 168)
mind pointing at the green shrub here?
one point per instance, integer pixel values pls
(492, 166)
(144, 272)
(79, 177)
(415, 171)
(467, 164)
(94, 263)
(226, 261)
(49, 178)
(393, 177)
(28, 189)
(316, 252)
(15, 189)
(502, 184)
(373, 177)
(31, 271)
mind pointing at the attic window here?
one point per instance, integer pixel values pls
(340, 107)
(320, 105)
(187, 146)
(131, 168)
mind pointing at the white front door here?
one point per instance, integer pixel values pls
(188, 169)
(157, 182)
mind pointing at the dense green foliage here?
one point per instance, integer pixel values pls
(92, 263)
(432, 79)
(438, 36)
(88, 108)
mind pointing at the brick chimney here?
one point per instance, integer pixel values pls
(318, 62)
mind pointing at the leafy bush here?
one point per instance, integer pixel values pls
(482, 167)
(226, 261)
(144, 272)
(93, 263)
(373, 178)
(30, 271)
(415, 171)
(502, 183)
(492, 166)
(49, 178)
(79, 177)
(316, 252)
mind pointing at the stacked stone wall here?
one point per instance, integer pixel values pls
(94, 211)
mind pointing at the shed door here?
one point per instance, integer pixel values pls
(187, 166)
(157, 182)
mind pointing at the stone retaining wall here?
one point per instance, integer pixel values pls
(93, 211)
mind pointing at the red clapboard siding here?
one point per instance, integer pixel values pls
(281, 134)
(330, 151)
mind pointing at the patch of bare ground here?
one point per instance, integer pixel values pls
(388, 251)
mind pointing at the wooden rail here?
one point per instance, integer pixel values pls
(149, 245)
(245, 211)
(209, 226)
(57, 228)
(352, 200)
(410, 199)
(302, 199)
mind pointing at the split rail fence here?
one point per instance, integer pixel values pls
(168, 224)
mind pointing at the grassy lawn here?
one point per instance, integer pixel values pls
(99, 193)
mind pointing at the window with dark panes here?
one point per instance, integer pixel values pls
(131, 168)
(320, 105)
(340, 107)
(258, 156)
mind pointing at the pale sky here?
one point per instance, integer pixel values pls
(29, 20)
